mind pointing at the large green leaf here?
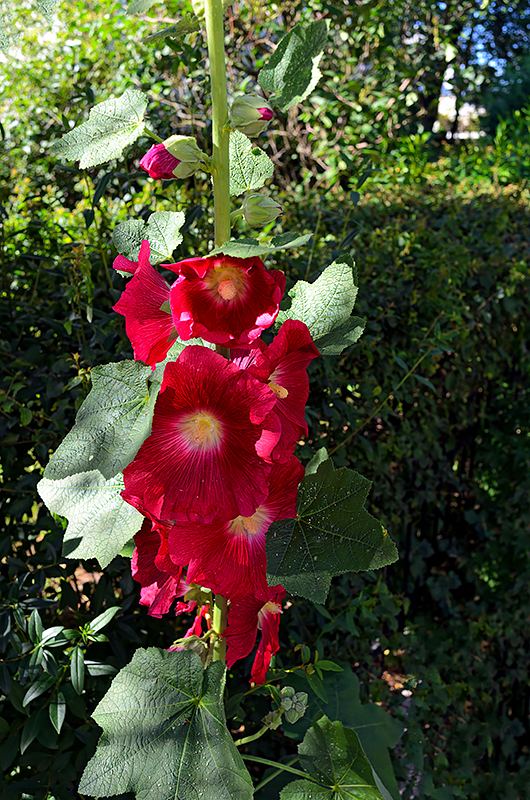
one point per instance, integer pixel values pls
(336, 766)
(111, 425)
(111, 126)
(140, 6)
(246, 248)
(291, 72)
(162, 231)
(250, 167)
(332, 534)
(164, 733)
(325, 307)
(100, 522)
(377, 730)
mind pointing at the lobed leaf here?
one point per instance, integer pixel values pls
(246, 248)
(111, 424)
(162, 231)
(176, 743)
(291, 72)
(332, 534)
(111, 126)
(250, 167)
(99, 520)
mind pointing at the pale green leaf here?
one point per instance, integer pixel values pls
(246, 248)
(111, 425)
(140, 6)
(291, 72)
(100, 521)
(336, 766)
(333, 343)
(111, 126)
(332, 534)
(250, 167)
(47, 7)
(57, 711)
(175, 744)
(181, 28)
(162, 231)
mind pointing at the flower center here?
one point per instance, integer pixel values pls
(227, 289)
(201, 430)
(279, 391)
(251, 526)
(226, 283)
(269, 608)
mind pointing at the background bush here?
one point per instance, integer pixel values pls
(440, 236)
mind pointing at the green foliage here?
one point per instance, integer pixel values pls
(291, 72)
(325, 307)
(337, 768)
(175, 743)
(331, 534)
(162, 231)
(247, 248)
(112, 126)
(250, 167)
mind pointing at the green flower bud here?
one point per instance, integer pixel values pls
(250, 114)
(259, 210)
(187, 152)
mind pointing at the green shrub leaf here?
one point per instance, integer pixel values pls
(77, 670)
(111, 126)
(100, 521)
(246, 248)
(250, 167)
(326, 305)
(336, 766)
(162, 231)
(176, 743)
(57, 711)
(291, 72)
(111, 425)
(332, 534)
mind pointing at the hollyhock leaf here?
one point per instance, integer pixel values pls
(377, 730)
(100, 522)
(162, 231)
(325, 307)
(250, 167)
(333, 757)
(176, 743)
(319, 457)
(332, 534)
(111, 126)
(111, 424)
(291, 72)
(246, 248)
(333, 343)
(140, 6)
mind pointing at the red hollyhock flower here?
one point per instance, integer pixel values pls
(245, 615)
(229, 558)
(283, 366)
(159, 577)
(224, 300)
(159, 162)
(200, 461)
(149, 328)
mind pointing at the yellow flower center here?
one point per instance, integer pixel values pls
(250, 526)
(226, 283)
(279, 391)
(201, 430)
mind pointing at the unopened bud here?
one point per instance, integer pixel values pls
(176, 157)
(250, 114)
(259, 210)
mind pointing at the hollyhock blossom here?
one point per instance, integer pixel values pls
(224, 300)
(283, 366)
(200, 461)
(229, 557)
(245, 616)
(160, 578)
(149, 328)
(176, 157)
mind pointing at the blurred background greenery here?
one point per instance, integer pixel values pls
(413, 153)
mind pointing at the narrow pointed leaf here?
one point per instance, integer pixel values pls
(111, 425)
(291, 72)
(162, 231)
(100, 521)
(332, 534)
(41, 685)
(250, 167)
(100, 622)
(176, 743)
(111, 126)
(31, 729)
(77, 670)
(35, 627)
(57, 711)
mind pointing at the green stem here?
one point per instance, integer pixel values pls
(213, 10)
(253, 737)
(220, 609)
(275, 764)
(153, 135)
(273, 775)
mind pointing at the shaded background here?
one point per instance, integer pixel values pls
(438, 222)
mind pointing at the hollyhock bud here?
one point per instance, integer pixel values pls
(259, 210)
(176, 157)
(250, 114)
